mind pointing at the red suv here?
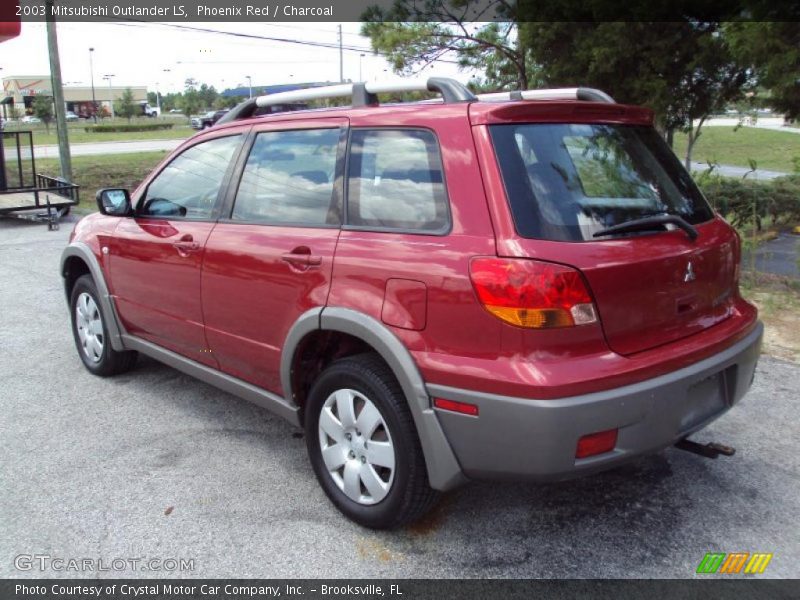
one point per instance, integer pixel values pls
(524, 285)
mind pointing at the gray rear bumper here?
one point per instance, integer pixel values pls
(517, 438)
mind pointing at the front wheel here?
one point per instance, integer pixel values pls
(91, 332)
(363, 444)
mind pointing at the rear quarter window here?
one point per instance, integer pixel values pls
(395, 181)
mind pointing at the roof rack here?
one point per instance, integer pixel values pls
(578, 93)
(361, 94)
(366, 94)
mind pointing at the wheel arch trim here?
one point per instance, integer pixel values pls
(84, 252)
(444, 471)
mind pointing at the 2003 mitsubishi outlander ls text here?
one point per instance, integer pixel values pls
(524, 285)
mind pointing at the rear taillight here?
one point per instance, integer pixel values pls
(531, 293)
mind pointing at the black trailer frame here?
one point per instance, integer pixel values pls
(31, 191)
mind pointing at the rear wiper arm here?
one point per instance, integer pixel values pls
(649, 223)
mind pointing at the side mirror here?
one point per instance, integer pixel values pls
(115, 202)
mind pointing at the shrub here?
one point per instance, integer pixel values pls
(734, 199)
(117, 128)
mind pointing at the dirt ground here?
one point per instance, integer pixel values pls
(778, 302)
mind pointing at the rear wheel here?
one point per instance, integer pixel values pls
(363, 444)
(91, 332)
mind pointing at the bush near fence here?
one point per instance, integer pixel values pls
(778, 199)
(117, 128)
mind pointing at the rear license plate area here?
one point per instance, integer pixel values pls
(704, 399)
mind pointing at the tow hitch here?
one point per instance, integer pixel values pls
(710, 450)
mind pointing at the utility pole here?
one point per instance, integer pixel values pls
(341, 56)
(58, 96)
(91, 75)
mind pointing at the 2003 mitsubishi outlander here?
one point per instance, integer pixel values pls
(523, 285)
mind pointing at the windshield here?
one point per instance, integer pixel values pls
(568, 181)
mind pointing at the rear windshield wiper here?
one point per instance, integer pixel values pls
(651, 222)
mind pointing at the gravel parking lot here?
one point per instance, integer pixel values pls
(155, 464)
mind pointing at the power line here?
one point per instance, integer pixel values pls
(333, 46)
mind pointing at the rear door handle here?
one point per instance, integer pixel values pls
(301, 258)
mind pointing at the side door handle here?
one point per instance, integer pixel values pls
(301, 258)
(186, 245)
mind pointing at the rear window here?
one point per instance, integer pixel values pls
(566, 182)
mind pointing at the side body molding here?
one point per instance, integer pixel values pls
(444, 471)
(83, 252)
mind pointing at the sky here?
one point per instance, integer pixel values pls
(161, 56)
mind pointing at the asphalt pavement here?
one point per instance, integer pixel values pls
(739, 172)
(780, 256)
(155, 464)
(94, 148)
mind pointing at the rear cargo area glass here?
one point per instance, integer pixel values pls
(566, 182)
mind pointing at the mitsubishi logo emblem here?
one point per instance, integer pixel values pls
(689, 274)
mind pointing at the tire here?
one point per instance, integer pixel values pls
(90, 331)
(376, 477)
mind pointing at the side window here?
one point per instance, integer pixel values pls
(289, 178)
(395, 181)
(188, 186)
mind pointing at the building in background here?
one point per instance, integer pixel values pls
(24, 89)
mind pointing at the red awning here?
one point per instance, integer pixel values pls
(8, 30)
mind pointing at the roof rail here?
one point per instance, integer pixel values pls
(360, 94)
(363, 94)
(249, 108)
(366, 94)
(579, 93)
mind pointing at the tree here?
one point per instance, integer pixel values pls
(170, 101)
(228, 101)
(43, 109)
(126, 106)
(414, 34)
(683, 70)
(772, 50)
(190, 102)
(208, 95)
